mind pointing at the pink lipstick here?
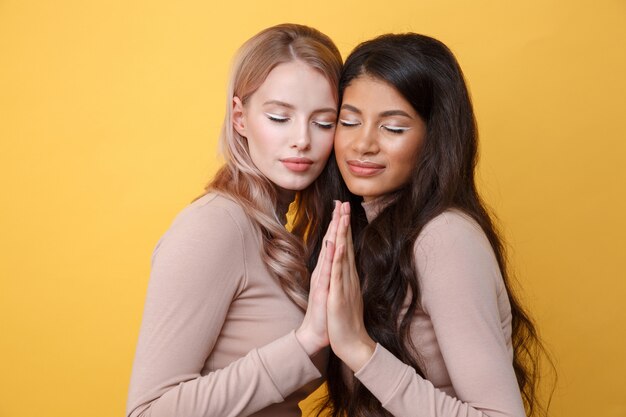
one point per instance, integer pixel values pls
(364, 168)
(297, 164)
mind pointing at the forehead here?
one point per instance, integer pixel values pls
(373, 95)
(296, 83)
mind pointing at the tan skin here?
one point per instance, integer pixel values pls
(377, 142)
(380, 131)
(346, 330)
(335, 312)
(312, 333)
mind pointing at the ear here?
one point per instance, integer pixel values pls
(239, 119)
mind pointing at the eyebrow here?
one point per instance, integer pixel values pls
(279, 103)
(382, 114)
(291, 106)
(395, 113)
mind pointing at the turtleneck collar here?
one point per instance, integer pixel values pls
(375, 206)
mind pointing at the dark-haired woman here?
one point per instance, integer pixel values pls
(420, 309)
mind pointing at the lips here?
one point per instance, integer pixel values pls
(364, 168)
(297, 164)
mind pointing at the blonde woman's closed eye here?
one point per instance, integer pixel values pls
(323, 124)
(277, 118)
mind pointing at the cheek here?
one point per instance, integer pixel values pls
(340, 143)
(261, 132)
(406, 168)
(405, 160)
(325, 141)
(341, 154)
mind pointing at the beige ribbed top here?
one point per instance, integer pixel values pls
(217, 336)
(462, 331)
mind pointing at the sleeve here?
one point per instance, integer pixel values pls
(198, 267)
(460, 280)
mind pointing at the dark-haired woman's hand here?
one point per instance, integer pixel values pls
(312, 333)
(346, 330)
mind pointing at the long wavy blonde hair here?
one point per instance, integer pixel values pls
(283, 252)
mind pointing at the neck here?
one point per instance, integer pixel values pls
(373, 206)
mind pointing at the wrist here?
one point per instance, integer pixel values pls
(357, 356)
(307, 341)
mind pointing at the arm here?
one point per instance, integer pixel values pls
(460, 280)
(198, 269)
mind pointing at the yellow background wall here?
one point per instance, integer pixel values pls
(109, 113)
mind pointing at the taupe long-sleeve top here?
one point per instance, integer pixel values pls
(217, 336)
(462, 330)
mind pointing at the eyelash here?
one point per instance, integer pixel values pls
(390, 129)
(277, 119)
(394, 130)
(321, 125)
(324, 125)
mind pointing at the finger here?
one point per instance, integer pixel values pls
(342, 228)
(321, 259)
(346, 277)
(335, 275)
(323, 280)
(334, 223)
(350, 250)
(331, 233)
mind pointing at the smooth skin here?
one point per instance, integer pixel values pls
(377, 143)
(378, 138)
(289, 124)
(346, 330)
(335, 312)
(313, 332)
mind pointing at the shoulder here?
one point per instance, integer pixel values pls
(451, 229)
(453, 253)
(453, 220)
(212, 216)
(211, 222)
(212, 209)
(200, 260)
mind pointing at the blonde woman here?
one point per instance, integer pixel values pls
(227, 328)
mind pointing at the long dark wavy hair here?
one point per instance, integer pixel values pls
(425, 72)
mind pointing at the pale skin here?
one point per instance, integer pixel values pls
(312, 333)
(289, 124)
(335, 312)
(346, 330)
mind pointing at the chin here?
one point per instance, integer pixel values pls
(294, 187)
(359, 190)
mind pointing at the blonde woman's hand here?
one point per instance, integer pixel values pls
(346, 330)
(312, 333)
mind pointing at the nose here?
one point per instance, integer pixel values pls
(366, 143)
(301, 139)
